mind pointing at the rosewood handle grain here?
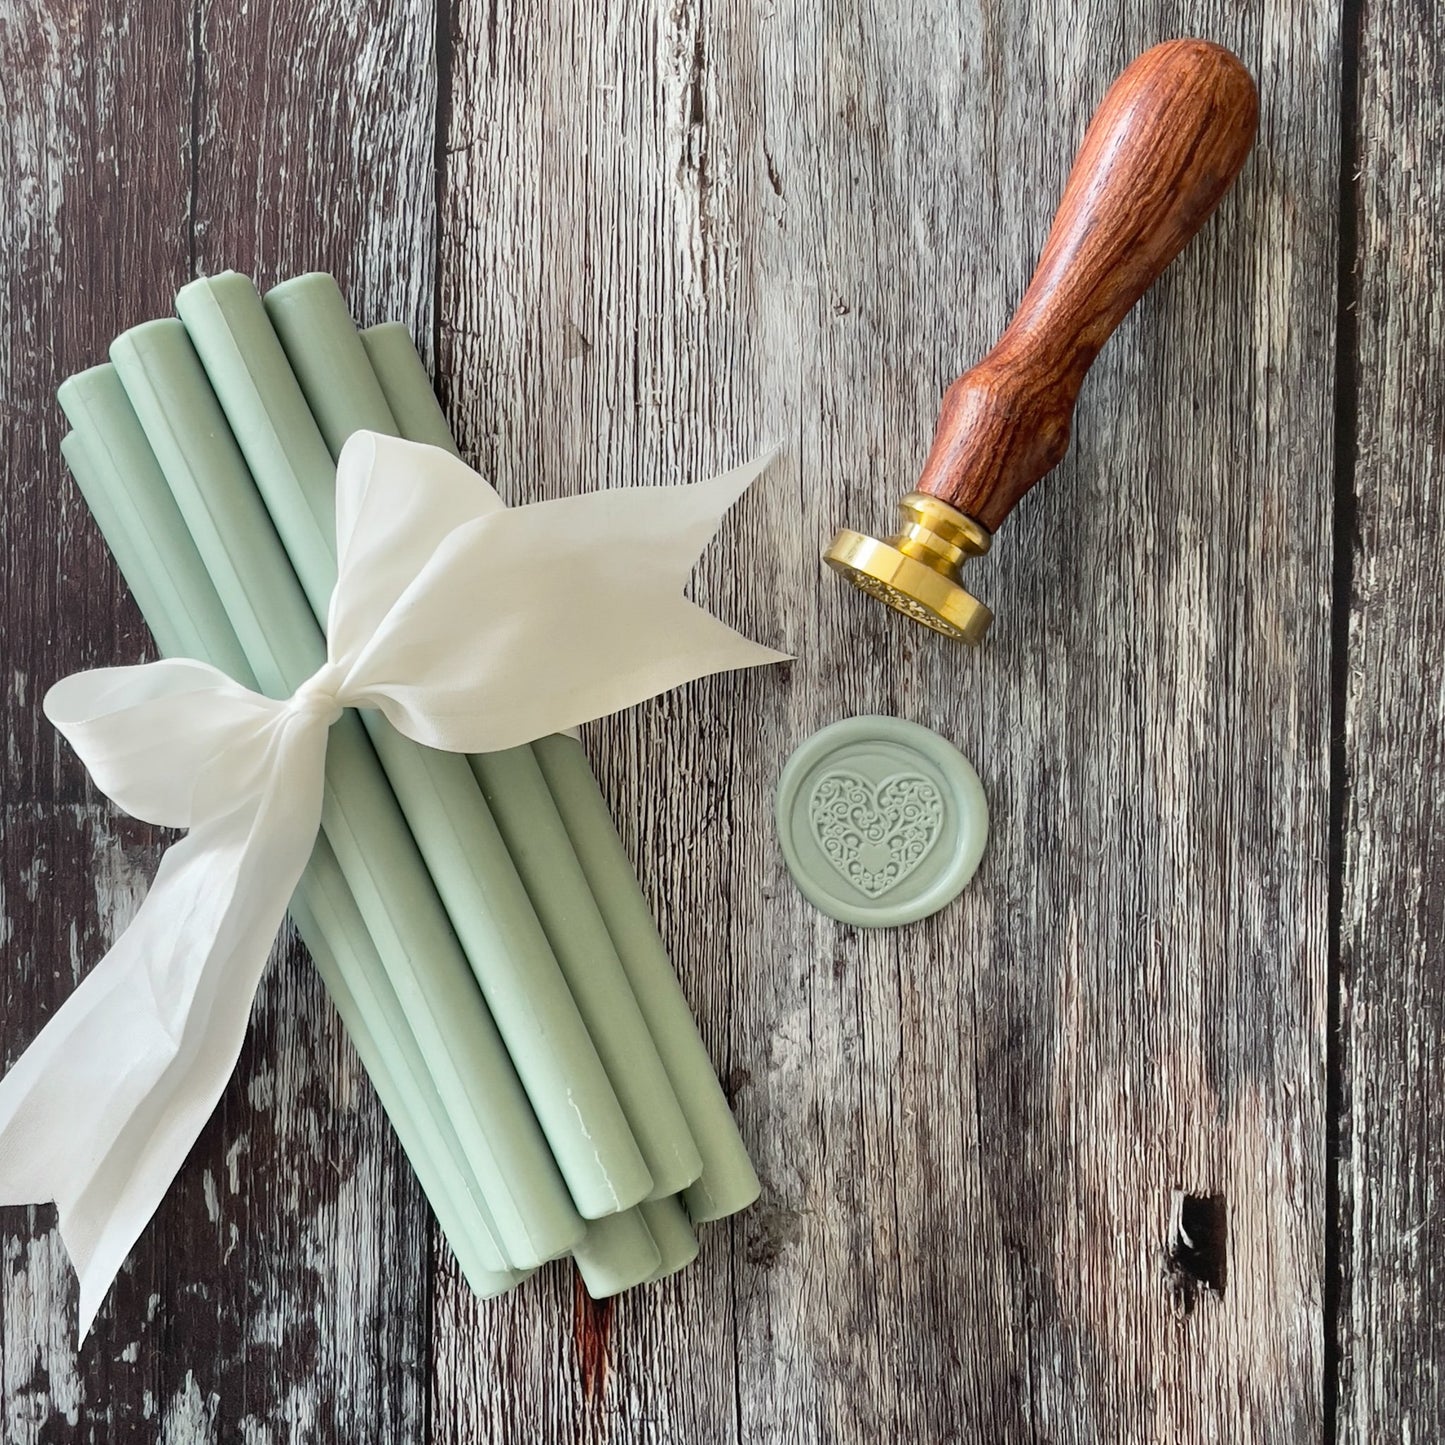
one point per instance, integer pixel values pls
(1163, 148)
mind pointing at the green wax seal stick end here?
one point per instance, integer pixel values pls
(617, 1253)
(673, 1235)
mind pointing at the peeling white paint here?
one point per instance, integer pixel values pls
(32, 876)
(190, 1418)
(7, 927)
(256, 1432)
(240, 1146)
(41, 1381)
(268, 1327)
(261, 1090)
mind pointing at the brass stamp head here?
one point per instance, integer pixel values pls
(918, 572)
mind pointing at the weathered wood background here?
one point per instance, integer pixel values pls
(642, 241)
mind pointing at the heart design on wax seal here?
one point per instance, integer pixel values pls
(875, 834)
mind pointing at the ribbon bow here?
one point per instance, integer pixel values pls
(473, 627)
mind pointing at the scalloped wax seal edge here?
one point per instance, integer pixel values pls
(864, 807)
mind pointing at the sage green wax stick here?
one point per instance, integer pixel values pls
(672, 1233)
(468, 859)
(406, 386)
(332, 366)
(616, 1253)
(728, 1182)
(509, 1157)
(398, 1071)
(176, 600)
(135, 511)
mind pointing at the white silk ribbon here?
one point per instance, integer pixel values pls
(473, 627)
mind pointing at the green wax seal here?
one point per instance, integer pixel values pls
(882, 822)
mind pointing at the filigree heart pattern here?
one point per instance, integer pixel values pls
(875, 834)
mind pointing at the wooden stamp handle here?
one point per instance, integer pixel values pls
(1161, 151)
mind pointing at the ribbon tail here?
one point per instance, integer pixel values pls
(101, 1110)
(583, 612)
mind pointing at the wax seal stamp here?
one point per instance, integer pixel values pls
(1168, 140)
(881, 821)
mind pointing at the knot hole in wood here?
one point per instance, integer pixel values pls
(1196, 1251)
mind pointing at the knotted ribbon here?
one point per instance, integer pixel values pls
(472, 627)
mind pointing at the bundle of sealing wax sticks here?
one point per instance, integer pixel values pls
(475, 919)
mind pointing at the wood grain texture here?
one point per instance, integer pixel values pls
(280, 1294)
(1392, 1166)
(315, 136)
(95, 215)
(312, 149)
(670, 236)
(674, 236)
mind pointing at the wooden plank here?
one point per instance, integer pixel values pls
(315, 139)
(1392, 1015)
(280, 1292)
(313, 150)
(95, 222)
(672, 237)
